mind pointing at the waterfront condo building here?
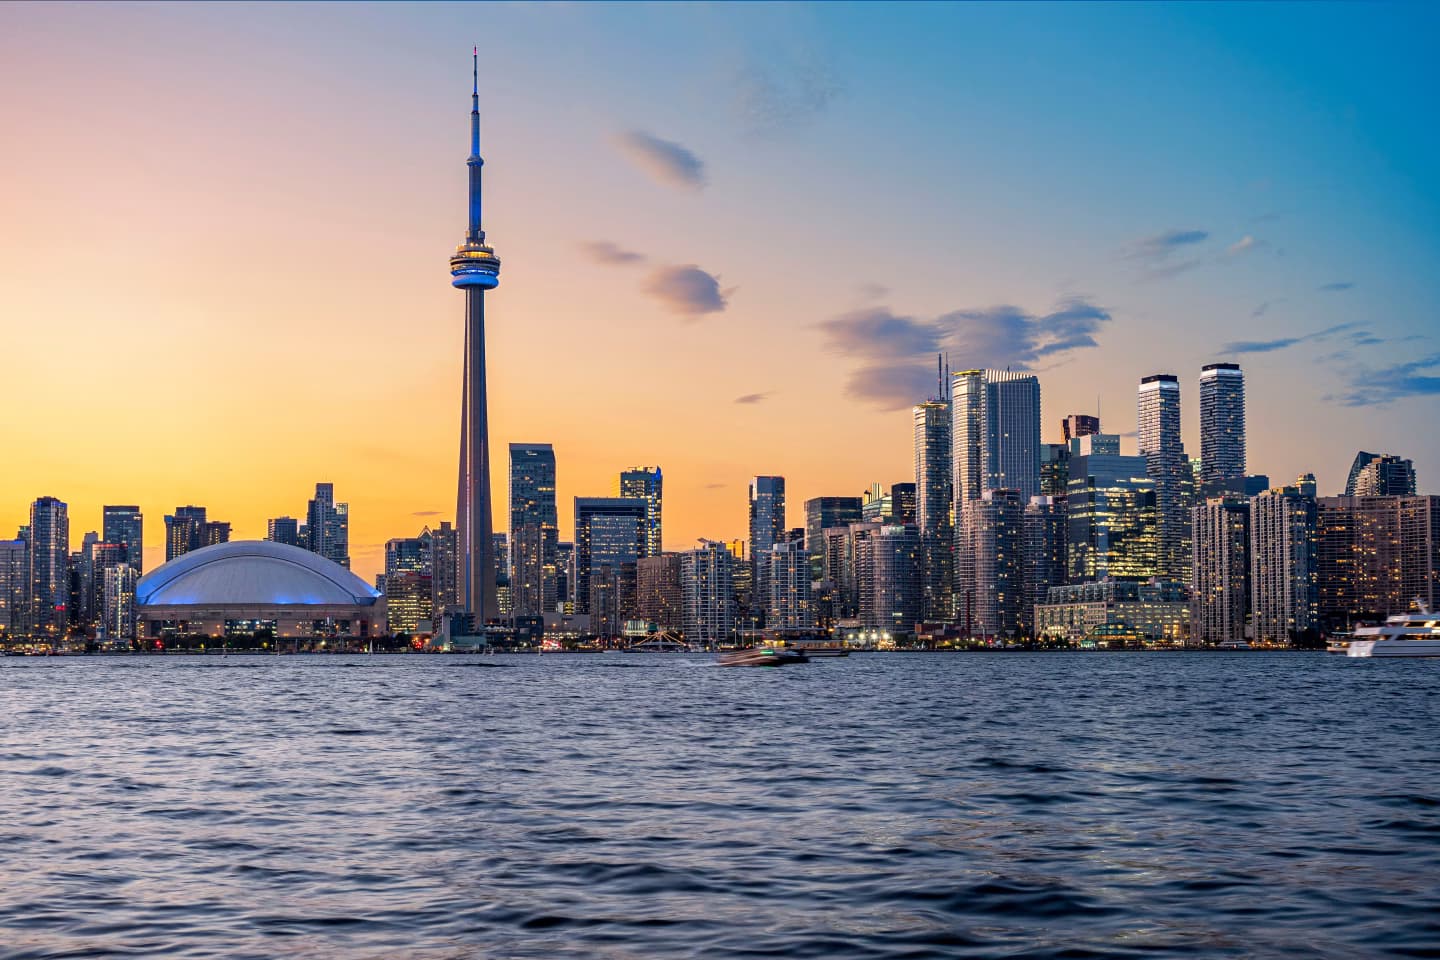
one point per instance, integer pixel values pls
(708, 593)
(787, 577)
(1043, 556)
(1283, 531)
(1222, 425)
(989, 581)
(1375, 556)
(1158, 434)
(933, 503)
(887, 575)
(1220, 581)
(1110, 513)
(658, 596)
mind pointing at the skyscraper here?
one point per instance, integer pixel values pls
(658, 597)
(534, 528)
(327, 526)
(933, 503)
(609, 532)
(408, 587)
(283, 530)
(1375, 556)
(822, 512)
(1385, 476)
(1110, 510)
(887, 575)
(989, 572)
(1166, 464)
(1282, 562)
(14, 580)
(1220, 581)
(118, 602)
(646, 483)
(1044, 555)
(474, 268)
(48, 578)
(767, 513)
(444, 569)
(787, 579)
(995, 434)
(707, 588)
(187, 529)
(1222, 423)
(767, 528)
(125, 526)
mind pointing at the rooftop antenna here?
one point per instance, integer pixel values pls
(940, 375)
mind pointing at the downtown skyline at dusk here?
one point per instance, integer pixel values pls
(224, 278)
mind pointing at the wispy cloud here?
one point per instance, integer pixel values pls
(751, 397)
(1416, 378)
(607, 253)
(896, 352)
(664, 161)
(426, 513)
(1264, 308)
(1242, 246)
(1340, 287)
(1167, 254)
(687, 290)
(1236, 347)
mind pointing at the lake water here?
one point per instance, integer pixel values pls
(1000, 805)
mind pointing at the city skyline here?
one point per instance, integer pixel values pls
(1198, 267)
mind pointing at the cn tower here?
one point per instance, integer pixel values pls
(474, 268)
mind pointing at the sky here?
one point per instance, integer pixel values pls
(733, 238)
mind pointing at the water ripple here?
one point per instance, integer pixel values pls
(619, 807)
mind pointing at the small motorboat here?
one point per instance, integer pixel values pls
(763, 657)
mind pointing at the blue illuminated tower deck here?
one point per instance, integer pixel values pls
(475, 269)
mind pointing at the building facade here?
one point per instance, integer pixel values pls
(1222, 424)
(1043, 556)
(1283, 532)
(327, 526)
(647, 483)
(1110, 512)
(887, 574)
(48, 580)
(658, 596)
(1220, 581)
(534, 529)
(934, 500)
(609, 532)
(125, 526)
(1167, 465)
(787, 576)
(708, 588)
(990, 581)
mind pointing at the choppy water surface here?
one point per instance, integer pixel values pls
(1027, 805)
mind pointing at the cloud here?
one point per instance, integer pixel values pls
(784, 94)
(1335, 287)
(664, 161)
(1235, 347)
(1260, 346)
(716, 486)
(605, 252)
(1417, 378)
(425, 513)
(751, 398)
(1244, 245)
(1163, 245)
(1157, 255)
(687, 290)
(897, 352)
(1264, 308)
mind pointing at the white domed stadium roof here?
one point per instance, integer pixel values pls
(252, 571)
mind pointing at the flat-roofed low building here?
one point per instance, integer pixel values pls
(1117, 611)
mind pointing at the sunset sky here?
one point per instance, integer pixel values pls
(733, 237)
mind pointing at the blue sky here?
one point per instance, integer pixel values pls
(799, 201)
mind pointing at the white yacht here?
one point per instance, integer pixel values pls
(1403, 635)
